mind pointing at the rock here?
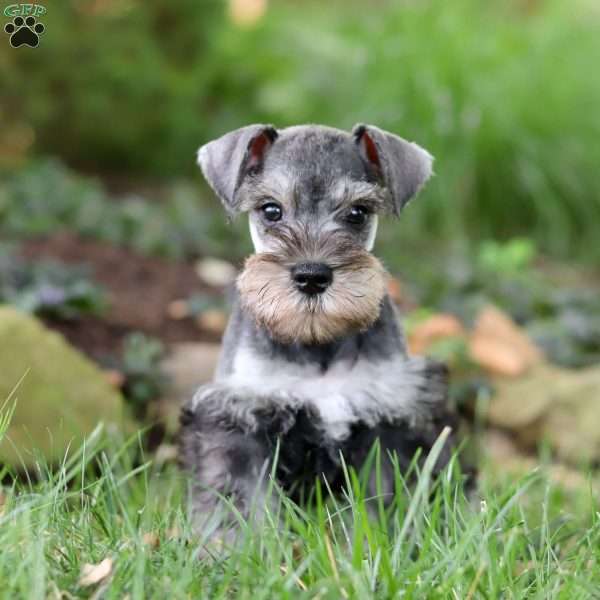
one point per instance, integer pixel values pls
(187, 366)
(499, 346)
(216, 272)
(504, 460)
(432, 330)
(552, 404)
(62, 395)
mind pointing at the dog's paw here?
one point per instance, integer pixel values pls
(239, 406)
(24, 32)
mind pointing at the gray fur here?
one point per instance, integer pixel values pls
(368, 374)
(223, 161)
(303, 164)
(405, 167)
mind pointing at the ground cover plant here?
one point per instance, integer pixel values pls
(46, 197)
(48, 288)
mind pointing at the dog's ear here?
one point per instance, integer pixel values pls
(403, 166)
(227, 160)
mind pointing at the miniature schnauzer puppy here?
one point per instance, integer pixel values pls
(314, 367)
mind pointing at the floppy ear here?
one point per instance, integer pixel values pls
(227, 160)
(403, 166)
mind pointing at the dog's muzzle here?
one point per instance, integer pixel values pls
(313, 289)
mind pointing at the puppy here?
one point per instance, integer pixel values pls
(314, 365)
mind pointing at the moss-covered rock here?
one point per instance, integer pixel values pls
(554, 405)
(62, 395)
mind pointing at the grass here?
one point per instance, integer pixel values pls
(529, 539)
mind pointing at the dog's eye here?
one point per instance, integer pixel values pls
(271, 211)
(358, 215)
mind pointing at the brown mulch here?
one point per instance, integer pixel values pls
(139, 289)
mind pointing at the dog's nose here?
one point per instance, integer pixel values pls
(312, 278)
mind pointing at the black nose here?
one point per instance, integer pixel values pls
(312, 278)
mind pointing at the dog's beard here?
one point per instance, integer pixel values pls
(351, 303)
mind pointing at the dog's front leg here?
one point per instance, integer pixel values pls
(413, 411)
(228, 466)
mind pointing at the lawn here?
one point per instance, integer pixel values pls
(111, 523)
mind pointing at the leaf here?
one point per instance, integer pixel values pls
(396, 290)
(501, 347)
(245, 13)
(93, 574)
(151, 540)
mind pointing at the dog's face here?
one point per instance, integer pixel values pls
(313, 195)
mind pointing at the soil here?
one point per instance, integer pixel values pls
(139, 289)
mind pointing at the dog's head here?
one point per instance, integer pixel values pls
(313, 195)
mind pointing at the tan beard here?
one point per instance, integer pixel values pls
(351, 303)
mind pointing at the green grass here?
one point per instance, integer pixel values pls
(530, 539)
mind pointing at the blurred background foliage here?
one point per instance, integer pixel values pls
(504, 94)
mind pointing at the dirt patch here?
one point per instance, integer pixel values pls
(140, 289)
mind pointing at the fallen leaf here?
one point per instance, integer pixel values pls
(297, 579)
(166, 453)
(115, 378)
(496, 356)
(93, 574)
(500, 346)
(151, 540)
(432, 330)
(395, 290)
(216, 272)
(246, 13)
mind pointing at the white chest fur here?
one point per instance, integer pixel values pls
(342, 395)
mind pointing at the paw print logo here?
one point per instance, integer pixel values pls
(24, 32)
